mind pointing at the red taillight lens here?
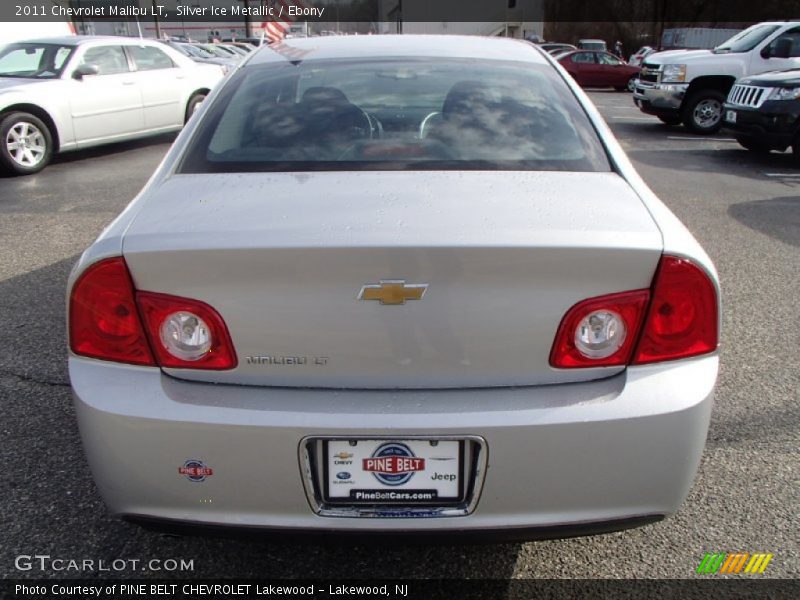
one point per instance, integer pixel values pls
(682, 319)
(574, 347)
(186, 334)
(103, 320)
(105, 323)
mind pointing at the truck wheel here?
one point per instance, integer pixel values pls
(702, 112)
(756, 147)
(26, 144)
(670, 120)
(796, 148)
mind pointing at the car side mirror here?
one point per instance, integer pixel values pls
(783, 48)
(84, 70)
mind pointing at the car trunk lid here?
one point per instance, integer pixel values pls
(285, 257)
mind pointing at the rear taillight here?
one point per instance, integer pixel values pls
(682, 319)
(110, 320)
(103, 319)
(599, 332)
(676, 318)
(186, 333)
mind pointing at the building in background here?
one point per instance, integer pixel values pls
(522, 19)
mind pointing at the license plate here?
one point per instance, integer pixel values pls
(730, 116)
(392, 472)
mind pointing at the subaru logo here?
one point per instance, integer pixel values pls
(343, 475)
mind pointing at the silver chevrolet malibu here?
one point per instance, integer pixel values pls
(395, 284)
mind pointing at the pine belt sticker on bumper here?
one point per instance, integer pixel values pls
(195, 470)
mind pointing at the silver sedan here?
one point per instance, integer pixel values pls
(395, 284)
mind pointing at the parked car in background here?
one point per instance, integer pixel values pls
(247, 47)
(234, 48)
(557, 54)
(60, 94)
(638, 57)
(589, 44)
(219, 51)
(252, 43)
(202, 56)
(690, 86)
(222, 50)
(558, 382)
(599, 69)
(554, 48)
(763, 111)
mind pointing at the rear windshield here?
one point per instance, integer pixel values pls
(395, 115)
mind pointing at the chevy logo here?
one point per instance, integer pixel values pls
(393, 291)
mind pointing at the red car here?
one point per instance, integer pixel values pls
(599, 69)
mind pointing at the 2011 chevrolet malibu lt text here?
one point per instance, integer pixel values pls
(404, 284)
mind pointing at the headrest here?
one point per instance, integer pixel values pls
(464, 97)
(325, 95)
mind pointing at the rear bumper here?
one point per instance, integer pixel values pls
(447, 536)
(575, 456)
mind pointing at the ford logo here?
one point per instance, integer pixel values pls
(343, 475)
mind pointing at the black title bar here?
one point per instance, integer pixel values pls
(707, 588)
(376, 11)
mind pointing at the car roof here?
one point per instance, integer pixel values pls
(377, 46)
(79, 40)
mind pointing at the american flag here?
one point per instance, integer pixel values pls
(276, 28)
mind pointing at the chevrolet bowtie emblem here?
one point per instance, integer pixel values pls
(393, 291)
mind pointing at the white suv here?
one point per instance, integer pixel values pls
(691, 86)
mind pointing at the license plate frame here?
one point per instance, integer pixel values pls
(369, 488)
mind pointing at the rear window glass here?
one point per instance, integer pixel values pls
(395, 115)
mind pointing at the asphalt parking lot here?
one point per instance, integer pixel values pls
(744, 209)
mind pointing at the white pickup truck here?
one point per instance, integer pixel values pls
(690, 86)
